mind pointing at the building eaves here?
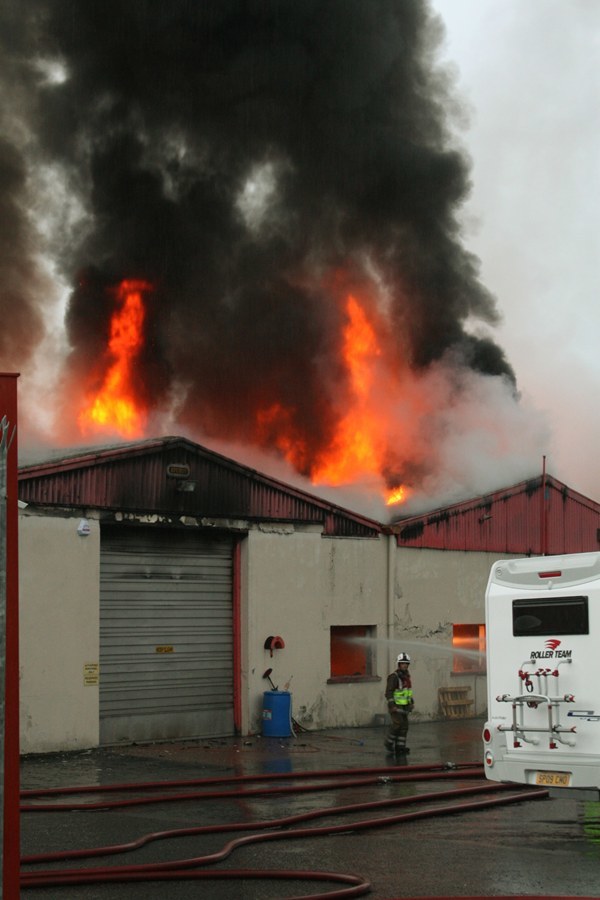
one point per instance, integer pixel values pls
(537, 516)
(336, 519)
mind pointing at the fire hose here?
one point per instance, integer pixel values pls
(371, 776)
(463, 799)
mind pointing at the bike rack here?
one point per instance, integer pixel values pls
(521, 702)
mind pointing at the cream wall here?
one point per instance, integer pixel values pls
(294, 583)
(299, 584)
(435, 589)
(59, 608)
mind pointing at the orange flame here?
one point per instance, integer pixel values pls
(275, 425)
(359, 445)
(114, 407)
(355, 448)
(397, 495)
(361, 440)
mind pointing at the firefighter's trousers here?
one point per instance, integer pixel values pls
(398, 725)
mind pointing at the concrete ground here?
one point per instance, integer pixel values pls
(532, 847)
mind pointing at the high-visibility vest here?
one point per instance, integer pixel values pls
(403, 696)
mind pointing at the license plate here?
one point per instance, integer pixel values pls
(553, 779)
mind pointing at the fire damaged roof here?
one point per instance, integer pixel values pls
(174, 476)
(537, 517)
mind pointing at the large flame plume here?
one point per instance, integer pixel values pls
(286, 176)
(361, 439)
(114, 408)
(360, 435)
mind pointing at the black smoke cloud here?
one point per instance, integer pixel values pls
(20, 280)
(253, 159)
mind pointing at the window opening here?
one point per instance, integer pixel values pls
(469, 643)
(350, 655)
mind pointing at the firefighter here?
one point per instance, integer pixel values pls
(399, 696)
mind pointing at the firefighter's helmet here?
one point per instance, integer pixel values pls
(403, 658)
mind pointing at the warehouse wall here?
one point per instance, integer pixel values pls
(434, 590)
(294, 584)
(59, 633)
(299, 585)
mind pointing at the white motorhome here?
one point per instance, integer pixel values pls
(543, 671)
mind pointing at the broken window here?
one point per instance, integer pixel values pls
(468, 643)
(352, 653)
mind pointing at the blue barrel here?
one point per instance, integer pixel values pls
(277, 714)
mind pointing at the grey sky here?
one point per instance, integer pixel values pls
(529, 73)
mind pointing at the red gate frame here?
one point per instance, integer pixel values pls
(11, 843)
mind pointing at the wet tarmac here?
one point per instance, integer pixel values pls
(539, 847)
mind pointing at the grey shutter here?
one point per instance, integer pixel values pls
(166, 666)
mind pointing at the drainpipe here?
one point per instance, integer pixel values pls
(391, 580)
(10, 639)
(3, 569)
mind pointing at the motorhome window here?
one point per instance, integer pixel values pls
(550, 616)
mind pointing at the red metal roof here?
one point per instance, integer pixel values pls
(540, 516)
(133, 478)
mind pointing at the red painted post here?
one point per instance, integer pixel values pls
(11, 830)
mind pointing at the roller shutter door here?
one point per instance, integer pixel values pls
(166, 648)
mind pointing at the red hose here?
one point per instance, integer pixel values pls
(244, 779)
(187, 868)
(360, 885)
(286, 821)
(390, 775)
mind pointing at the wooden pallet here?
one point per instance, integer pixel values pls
(455, 702)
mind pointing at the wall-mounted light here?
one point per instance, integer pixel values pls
(186, 487)
(83, 529)
(181, 471)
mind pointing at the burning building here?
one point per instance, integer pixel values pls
(156, 574)
(239, 222)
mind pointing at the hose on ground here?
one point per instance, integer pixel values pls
(193, 868)
(389, 774)
(246, 779)
(281, 822)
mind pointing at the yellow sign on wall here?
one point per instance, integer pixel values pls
(91, 673)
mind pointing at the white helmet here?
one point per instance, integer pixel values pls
(403, 657)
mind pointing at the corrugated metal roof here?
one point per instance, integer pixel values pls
(133, 477)
(539, 516)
